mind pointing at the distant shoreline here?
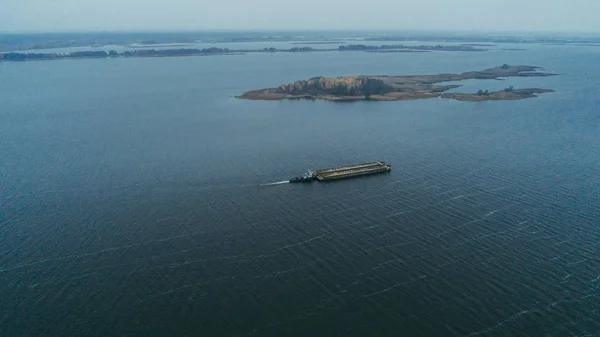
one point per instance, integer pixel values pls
(318, 42)
(37, 41)
(148, 52)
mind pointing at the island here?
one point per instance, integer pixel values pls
(507, 94)
(397, 88)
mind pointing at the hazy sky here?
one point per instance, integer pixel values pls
(110, 15)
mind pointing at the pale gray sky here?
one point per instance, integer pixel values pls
(110, 15)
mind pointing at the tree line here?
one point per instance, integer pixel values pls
(487, 93)
(361, 87)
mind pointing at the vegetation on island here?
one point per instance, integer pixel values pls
(341, 86)
(487, 93)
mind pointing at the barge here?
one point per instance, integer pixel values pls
(343, 172)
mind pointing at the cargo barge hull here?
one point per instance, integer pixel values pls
(344, 172)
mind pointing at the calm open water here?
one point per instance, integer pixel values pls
(133, 200)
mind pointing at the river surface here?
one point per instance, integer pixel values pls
(134, 200)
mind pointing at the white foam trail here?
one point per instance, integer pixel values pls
(276, 183)
(300, 243)
(492, 212)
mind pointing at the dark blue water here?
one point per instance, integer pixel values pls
(132, 200)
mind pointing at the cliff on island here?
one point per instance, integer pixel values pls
(396, 88)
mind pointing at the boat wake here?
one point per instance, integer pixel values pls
(276, 183)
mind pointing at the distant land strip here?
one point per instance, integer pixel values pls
(144, 52)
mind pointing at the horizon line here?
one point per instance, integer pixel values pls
(298, 30)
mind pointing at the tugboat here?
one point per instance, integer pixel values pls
(305, 178)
